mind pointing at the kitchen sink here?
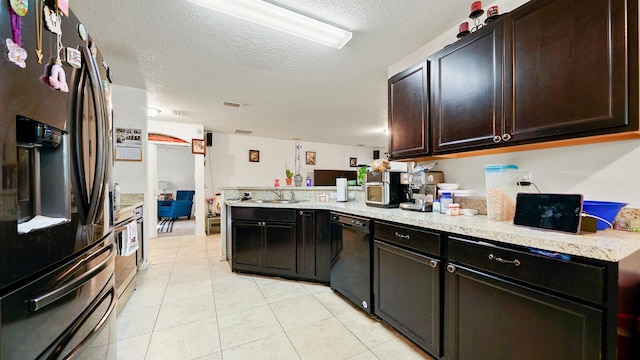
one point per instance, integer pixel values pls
(274, 201)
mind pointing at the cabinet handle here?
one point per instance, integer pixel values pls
(506, 137)
(497, 139)
(515, 262)
(403, 236)
(433, 263)
(451, 268)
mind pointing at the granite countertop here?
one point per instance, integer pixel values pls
(123, 208)
(608, 245)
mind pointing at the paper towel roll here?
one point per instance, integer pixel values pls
(341, 187)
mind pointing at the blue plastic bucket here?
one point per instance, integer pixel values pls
(604, 209)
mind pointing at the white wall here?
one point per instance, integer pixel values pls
(130, 112)
(175, 165)
(229, 157)
(607, 171)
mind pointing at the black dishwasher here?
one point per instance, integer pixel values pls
(351, 259)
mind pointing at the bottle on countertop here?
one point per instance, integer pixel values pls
(436, 207)
(116, 194)
(445, 200)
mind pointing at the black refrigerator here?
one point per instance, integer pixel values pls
(57, 294)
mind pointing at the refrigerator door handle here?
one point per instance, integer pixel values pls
(41, 301)
(77, 154)
(89, 200)
(102, 145)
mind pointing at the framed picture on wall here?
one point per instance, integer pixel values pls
(311, 157)
(353, 162)
(198, 146)
(254, 155)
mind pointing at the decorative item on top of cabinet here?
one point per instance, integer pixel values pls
(409, 113)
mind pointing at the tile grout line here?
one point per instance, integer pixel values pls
(278, 320)
(153, 329)
(213, 292)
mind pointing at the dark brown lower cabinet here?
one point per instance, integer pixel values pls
(314, 245)
(280, 247)
(264, 246)
(407, 293)
(488, 316)
(281, 242)
(247, 253)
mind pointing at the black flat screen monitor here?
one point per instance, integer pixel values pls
(558, 212)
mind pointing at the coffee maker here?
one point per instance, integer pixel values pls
(420, 187)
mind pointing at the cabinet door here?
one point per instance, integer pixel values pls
(409, 113)
(489, 318)
(569, 64)
(280, 247)
(407, 294)
(247, 244)
(466, 92)
(307, 243)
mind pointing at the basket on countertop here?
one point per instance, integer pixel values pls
(602, 209)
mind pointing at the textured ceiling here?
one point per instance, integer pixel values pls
(192, 59)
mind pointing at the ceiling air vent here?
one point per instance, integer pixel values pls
(244, 132)
(231, 104)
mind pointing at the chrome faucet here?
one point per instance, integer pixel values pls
(279, 194)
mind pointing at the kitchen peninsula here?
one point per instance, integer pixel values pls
(578, 294)
(607, 245)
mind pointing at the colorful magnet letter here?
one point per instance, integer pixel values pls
(58, 78)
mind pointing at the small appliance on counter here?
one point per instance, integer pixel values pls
(383, 189)
(341, 189)
(420, 187)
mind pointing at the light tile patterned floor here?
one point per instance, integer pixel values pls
(189, 305)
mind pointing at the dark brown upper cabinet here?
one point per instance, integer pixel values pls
(409, 113)
(549, 70)
(566, 68)
(466, 92)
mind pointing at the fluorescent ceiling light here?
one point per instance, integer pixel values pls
(153, 112)
(275, 17)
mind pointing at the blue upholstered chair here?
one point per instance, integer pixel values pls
(181, 206)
